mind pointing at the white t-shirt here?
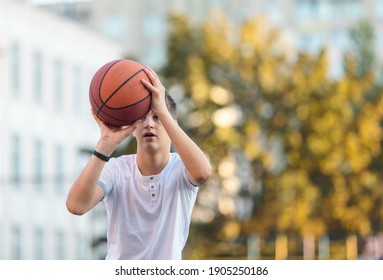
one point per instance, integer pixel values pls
(148, 216)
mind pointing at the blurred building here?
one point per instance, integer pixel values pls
(46, 129)
(142, 25)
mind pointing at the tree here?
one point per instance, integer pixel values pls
(295, 152)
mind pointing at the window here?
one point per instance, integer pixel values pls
(350, 10)
(59, 169)
(354, 10)
(60, 245)
(222, 5)
(115, 26)
(16, 243)
(307, 9)
(38, 164)
(16, 160)
(15, 69)
(39, 244)
(309, 42)
(153, 26)
(379, 9)
(37, 77)
(58, 84)
(81, 247)
(275, 13)
(77, 89)
(379, 39)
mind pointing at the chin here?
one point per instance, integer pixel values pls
(149, 147)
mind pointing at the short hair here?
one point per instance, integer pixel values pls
(171, 104)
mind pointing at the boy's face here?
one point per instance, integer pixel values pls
(151, 135)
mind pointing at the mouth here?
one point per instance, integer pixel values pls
(149, 135)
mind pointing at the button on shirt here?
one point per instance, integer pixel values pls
(153, 187)
(148, 216)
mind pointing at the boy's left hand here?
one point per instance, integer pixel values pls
(158, 91)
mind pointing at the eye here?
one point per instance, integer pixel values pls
(156, 118)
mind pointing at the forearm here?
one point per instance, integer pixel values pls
(84, 193)
(194, 159)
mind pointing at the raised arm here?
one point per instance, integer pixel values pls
(85, 193)
(197, 165)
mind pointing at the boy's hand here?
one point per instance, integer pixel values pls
(111, 137)
(157, 90)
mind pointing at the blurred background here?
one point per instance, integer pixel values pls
(284, 96)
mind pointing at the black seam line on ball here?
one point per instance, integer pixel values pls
(113, 93)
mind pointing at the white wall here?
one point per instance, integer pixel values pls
(25, 208)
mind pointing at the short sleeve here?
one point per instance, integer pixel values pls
(181, 169)
(108, 176)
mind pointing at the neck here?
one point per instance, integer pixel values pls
(151, 163)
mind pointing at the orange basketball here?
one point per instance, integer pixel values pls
(116, 93)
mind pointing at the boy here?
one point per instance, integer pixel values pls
(148, 196)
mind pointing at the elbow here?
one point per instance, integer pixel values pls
(74, 209)
(203, 175)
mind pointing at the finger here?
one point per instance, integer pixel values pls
(148, 85)
(127, 130)
(149, 70)
(93, 113)
(130, 126)
(152, 75)
(135, 124)
(98, 120)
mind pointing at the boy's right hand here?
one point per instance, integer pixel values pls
(111, 137)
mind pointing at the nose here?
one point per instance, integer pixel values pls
(148, 122)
